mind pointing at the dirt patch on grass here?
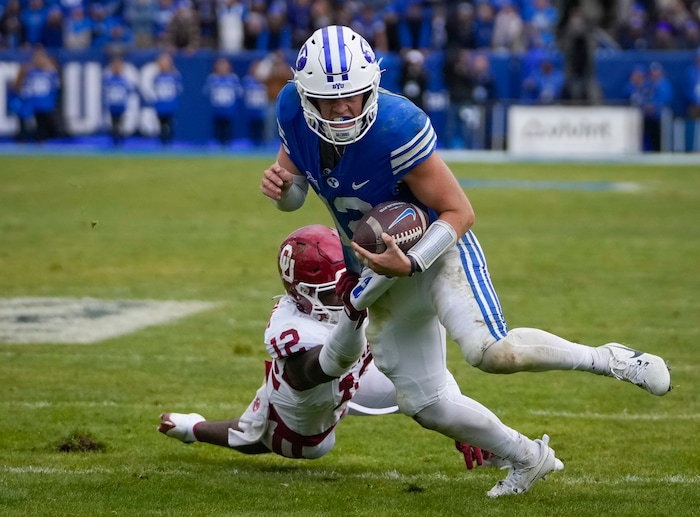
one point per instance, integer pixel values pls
(80, 442)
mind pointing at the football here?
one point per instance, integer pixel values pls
(405, 222)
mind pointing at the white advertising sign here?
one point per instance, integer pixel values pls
(574, 130)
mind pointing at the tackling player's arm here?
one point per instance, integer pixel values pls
(434, 184)
(341, 350)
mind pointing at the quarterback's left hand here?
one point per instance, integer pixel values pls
(392, 262)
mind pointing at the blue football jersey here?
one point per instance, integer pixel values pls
(223, 92)
(167, 87)
(116, 90)
(371, 170)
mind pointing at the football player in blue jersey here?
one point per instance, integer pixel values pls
(357, 146)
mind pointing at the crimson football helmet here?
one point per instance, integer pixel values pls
(310, 261)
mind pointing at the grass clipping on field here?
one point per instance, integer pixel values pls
(80, 442)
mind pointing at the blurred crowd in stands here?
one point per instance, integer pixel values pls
(389, 25)
(465, 32)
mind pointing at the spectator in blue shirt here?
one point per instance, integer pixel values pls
(52, 34)
(692, 87)
(20, 104)
(164, 11)
(256, 103)
(140, 16)
(637, 91)
(661, 96)
(223, 89)
(77, 29)
(43, 83)
(116, 91)
(541, 19)
(167, 86)
(544, 85)
(484, 24)
(101, 25)
(415, 27)
(33, 18)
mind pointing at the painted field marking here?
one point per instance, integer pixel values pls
(616, 416)
(85, 320)
(392, 475)
(587, 186)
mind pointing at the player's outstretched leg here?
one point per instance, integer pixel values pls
(180, 426)
(520, 478)
(647, 371)
(534, 350)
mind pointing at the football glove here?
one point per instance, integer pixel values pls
(343, 288)
(472, 454)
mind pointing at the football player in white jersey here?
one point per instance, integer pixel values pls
(306, 392)
(358, 145)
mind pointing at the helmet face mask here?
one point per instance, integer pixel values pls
(310, 261)
(336, 63)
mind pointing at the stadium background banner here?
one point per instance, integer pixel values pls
(567, 130)
(81, 73)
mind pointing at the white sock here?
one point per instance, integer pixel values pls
(534, 350)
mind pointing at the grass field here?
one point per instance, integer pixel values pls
(593, 266)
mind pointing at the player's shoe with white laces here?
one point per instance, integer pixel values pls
(180, 426)
(520, 479)
(647, 371)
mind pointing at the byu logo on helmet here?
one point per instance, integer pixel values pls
(367, 51)
(301, 59)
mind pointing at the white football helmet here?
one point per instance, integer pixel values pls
(337, 62)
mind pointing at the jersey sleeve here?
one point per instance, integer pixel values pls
(412, 135)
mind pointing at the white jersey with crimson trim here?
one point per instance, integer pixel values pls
(302, 422)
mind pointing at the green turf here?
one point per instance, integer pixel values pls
(590, 266)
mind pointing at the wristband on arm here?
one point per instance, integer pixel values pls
(295, 196)
(437, 239)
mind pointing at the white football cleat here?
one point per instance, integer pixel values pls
(180, 426)
(647, 371)
(520, 479)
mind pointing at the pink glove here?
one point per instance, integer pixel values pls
(472, 454)
(343, 287)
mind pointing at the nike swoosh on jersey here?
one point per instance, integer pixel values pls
(357, 186)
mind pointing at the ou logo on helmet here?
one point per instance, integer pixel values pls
(287, 263)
